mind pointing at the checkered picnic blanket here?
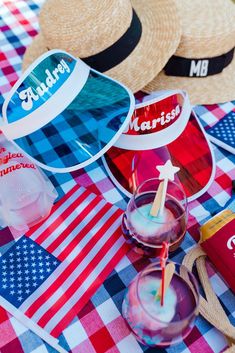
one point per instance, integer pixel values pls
(99, 327)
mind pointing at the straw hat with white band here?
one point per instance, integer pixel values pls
(130, 41)
(203, 64)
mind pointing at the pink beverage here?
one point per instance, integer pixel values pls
(156, 325)
(147, 232)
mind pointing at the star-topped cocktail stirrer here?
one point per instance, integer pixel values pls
(167, 172)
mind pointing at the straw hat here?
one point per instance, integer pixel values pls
(208, 28)
(86, 28)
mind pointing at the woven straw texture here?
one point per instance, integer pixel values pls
(85, 28)
(205, 24)
(209, 307)
(36, 49)
(205, 90)
(208, 30)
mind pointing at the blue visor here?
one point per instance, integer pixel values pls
(63, 114)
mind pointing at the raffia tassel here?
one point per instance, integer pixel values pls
(210, 308)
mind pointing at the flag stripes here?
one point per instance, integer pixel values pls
(90, 290)
(71, 293)
(59, 218)
(61, 204)
(79, 258)
(83, 231)
(64, 240)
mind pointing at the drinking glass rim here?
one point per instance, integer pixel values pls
(149, 267)
(185, 210)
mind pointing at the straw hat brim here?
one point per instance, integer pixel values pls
(161, 32)
(34, 50)
(218, 88)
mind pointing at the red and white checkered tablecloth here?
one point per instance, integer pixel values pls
(99, 327)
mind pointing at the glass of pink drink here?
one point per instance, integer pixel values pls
(146, 232)
(156, 325)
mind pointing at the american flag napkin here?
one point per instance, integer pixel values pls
(49, 274)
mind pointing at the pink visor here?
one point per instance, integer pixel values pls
(163, 126)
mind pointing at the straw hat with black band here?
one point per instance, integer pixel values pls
(204, 63)
(130, 41)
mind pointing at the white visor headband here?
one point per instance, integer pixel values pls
(169, 122)
(63, 114)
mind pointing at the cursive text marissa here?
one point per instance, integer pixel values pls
(151, 124)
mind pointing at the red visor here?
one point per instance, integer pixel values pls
(163, 120)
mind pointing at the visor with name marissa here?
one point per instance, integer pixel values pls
(63, 114)
(163, 126)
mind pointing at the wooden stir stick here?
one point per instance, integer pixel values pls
(167, 172)
(157, 201)
(166, 280)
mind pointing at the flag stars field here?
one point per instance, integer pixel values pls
(19, 268)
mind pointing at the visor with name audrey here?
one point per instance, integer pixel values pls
(163, 126)
(63, 114)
